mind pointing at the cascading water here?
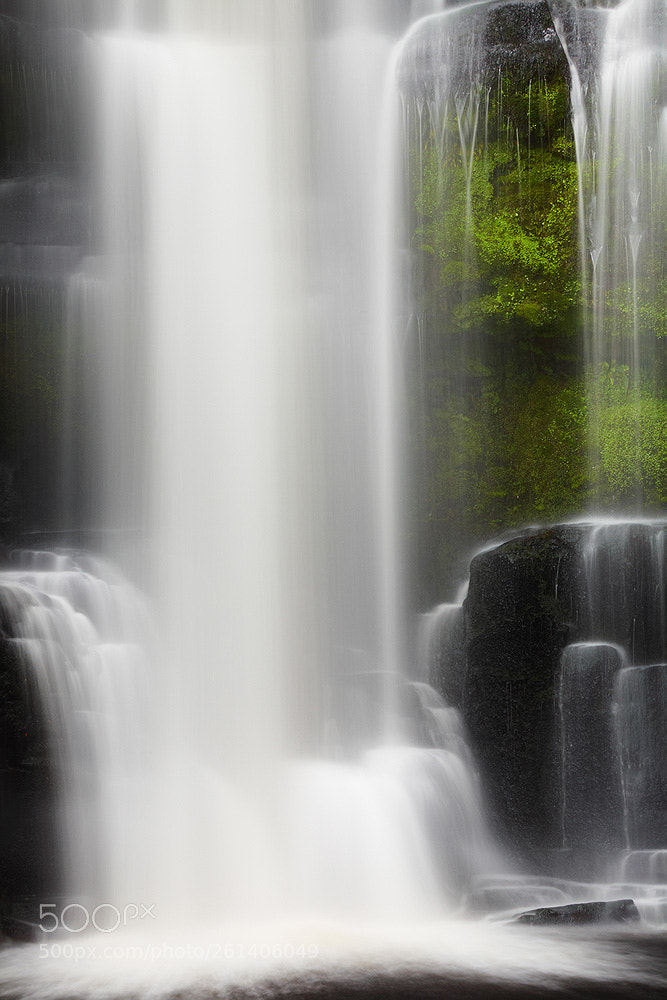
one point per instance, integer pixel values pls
(466, 112)
(81, 632)
(252, 752)
(625, 573)
(275, 640)
(615, 56)
(640, 722)
(590, 771)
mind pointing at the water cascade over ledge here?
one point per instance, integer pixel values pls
(275, 706)
(241, 774)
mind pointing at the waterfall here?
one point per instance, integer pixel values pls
(590, 769)
(624, 566)
(621, 688)
(254, 784)
(615, 57)
(640, 707)
(240, 448)
(81, 632)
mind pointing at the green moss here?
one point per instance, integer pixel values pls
(633, 449)
(501, 404)
(501, 235)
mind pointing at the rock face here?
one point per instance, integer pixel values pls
(28, 850)
(618, 911)
(30, 863)
(591, 792)
(549, 754)
(641, 712)
(517, 37)
(46, 231)
(520, 612)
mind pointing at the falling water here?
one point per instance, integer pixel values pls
(81, 631)
(615, 56)
(235, 561)
(590, 771)
(640, 696)
(241, 321)
(272, 762)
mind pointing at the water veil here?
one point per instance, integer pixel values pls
(241, 323)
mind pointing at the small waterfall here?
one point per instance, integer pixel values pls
(556, 659)
(241, 430)
(81, 631)
(128, 803)
(240, 744)
(624, 564)
(640, 697)
(439, 642)
(640, 709)
(590, 771)
(446, 77)
(615, 56)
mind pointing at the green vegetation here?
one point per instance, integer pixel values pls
(632, 438)
(500, 237)
(501, 405)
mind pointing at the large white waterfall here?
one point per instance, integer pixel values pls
(244, 328)
(254, 782)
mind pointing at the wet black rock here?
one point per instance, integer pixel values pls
(599, 590)
(468, 45)
(521, 611)
(29, 857)
(613, 911)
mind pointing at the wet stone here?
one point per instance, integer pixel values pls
(613, 911)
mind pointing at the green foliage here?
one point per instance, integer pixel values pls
(501, 419)
(499, 224)
(546, 454)
(503, 410)
(644, 307)
(28, 376)
(633, 449)
(631, 440)
(508, 458)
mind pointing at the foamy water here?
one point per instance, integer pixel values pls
(295, 957)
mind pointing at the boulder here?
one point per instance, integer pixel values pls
(596, 590)
(522, 609)
(619, 911)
